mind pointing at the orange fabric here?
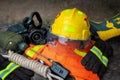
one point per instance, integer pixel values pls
(64, 54)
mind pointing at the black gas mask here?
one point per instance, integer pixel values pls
(32, 32)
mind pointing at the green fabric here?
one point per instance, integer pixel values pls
(10, 68)
(99, 54)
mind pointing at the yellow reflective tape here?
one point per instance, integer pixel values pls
(37, 47)
(10, 68)
(80, 13)
(69, 28)
(79, 52)
(31, 52)
(99, 54)
(105, 59)
(67, 11)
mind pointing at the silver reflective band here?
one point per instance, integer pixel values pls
(10, 68)
(99, 54)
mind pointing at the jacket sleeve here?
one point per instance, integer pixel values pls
(98, 57)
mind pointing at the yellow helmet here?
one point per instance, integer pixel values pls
(72, 24)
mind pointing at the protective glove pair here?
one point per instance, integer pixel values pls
(98, 57)
(12, 71)
(107, 30)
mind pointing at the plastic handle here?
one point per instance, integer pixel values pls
(37, 16)
(29, 23)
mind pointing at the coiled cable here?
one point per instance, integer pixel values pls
(33, 65)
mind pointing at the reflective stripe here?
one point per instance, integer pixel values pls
(79, 52)
(69, 28)
(80, 13)
(10, 68)
(31, 53)
(67, 11)
(37, 47)
(99, 54)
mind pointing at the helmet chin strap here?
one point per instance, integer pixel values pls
(84, 43)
